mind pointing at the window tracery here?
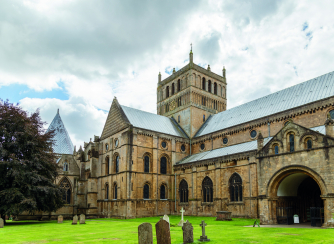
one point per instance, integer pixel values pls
(183, 189)
(207, 189)
(67, 192)
(236, 188)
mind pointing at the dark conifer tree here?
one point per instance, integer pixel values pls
(28, 167)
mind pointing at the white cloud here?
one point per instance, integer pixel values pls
(103, 49)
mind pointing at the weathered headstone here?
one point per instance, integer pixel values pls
(60, 219)
(1, 223)
(203, 236)
(188, 234)
(145, 235)
(75, 220)
(162, 232)
(167, 219)
(82, 219)
(181, 221)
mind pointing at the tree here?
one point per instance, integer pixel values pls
(28, 167)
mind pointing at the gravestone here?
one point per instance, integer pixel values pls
(75, 220)
(60, 219)
(203, 236)
(162, 232)
(167, 219)
(82, 219)
(145, 235)
(188, 234)
(1, 223)
(181, 221)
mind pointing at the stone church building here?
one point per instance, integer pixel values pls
(270, 158)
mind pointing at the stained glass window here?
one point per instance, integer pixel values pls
(162, 192)
(309, 144)
(146, 191)
(276, 149)
(107, 147)
(207, 188)
(147, 164)
(292, 142)
(107, 191)
(115, 191)
(183, 191)
(253, 133)
(65, 166)
(66, 186)
(163, 165)
(117, 164)
(235, 188)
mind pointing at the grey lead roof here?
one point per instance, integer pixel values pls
(307, 92)
(238, 148)
(153, 122)
(63, 143)
(224, 151)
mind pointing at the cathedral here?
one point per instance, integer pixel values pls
(270, 158)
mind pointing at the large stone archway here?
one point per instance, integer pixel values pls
(288, 189)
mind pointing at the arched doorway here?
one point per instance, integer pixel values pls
(298, 193)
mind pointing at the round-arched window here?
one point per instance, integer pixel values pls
(253, 133)
(202, 146)
(107, 147)
(225, 140)
(331, 113)
(163, 144)
(183, 148)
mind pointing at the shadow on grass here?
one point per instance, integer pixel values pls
(13, 223)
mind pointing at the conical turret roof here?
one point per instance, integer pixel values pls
(63, 143)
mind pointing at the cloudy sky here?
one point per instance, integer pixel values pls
(76, 55)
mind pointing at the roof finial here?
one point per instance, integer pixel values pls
(191, 47)
(191, 54)
(58, 111)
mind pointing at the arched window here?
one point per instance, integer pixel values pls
(203, 83)
(162, 192)
(276, 149)
(66, 186)
(147, 164)
(173, 89)
(167, 91)
(107, 165)
(236, 188)
(65, 166)
(292, 142)
(207, 189)
(331, 113)
(183, 191)
(107, 191)
(215, 88)
(203, 117)
(179, 85)
(117, 164)
(146, 191)
(209, 86)
(163, 165)
(178, 119)
(309, 143)
(115, 191)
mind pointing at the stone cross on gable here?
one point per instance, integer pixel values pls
(203, 236)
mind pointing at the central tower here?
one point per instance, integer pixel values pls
(191, 95)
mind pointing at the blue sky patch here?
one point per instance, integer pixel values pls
(15, 92)
(305, 26)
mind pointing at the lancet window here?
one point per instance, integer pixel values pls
(163, 165)
(183, 189)
(236, 188)
(207, 189)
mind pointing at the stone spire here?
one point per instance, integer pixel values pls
(62, 140)
(159, 77)
(224, 72)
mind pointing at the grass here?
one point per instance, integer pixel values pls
(125, 231)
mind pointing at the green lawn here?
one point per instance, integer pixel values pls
(125, 231)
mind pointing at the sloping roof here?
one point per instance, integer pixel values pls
(63, 143)
(153, 122)
(224, 151)
(321, 129)
(307, 92)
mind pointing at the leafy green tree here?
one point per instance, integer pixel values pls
(28, 167)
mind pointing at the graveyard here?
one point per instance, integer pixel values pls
(111, 230)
